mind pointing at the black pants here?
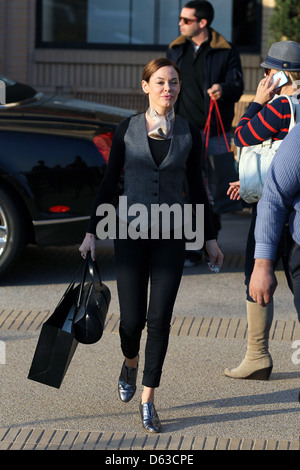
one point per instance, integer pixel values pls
(137, 261)
(294, 266)
(283, 253)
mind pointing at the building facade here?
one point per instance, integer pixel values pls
(96, 49)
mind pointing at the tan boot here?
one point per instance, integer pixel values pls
(257, 364)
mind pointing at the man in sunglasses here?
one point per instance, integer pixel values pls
(209, 66)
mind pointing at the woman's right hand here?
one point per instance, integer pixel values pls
(88, 244)
(234, 190)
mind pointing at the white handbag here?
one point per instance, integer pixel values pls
(254, 161)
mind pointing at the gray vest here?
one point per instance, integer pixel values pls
(146, 183)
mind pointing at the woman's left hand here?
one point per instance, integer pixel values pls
(215, 254)
(265, 91)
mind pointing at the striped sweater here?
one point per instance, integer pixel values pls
(260, 123)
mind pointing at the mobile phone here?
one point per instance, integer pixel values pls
(214, 269)
(283, 79)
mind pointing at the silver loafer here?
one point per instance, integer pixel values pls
(150, 419)
(127, 383)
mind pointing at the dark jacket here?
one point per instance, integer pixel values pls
(145, 182)
(223, 66)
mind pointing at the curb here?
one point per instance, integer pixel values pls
(55, 439)
(194, 326)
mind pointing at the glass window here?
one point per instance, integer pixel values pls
(246, 25)
(62, 21)
(142, 33)
(168, 13)
(108, 21)
(138, 24)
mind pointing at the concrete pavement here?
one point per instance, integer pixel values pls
(199, 407)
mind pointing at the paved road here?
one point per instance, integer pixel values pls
(199, 407)
(43, 274)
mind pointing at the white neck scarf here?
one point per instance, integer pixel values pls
(162, 124)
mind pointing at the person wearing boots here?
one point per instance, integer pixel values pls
(267, 117)
(280, 193)
(158, 151)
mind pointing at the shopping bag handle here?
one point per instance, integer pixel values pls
(93, 269)
(70, 286)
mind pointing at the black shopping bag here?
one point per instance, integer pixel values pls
(92, 305)
(221, 171)
(57, 344)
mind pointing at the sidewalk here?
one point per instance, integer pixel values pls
(199, 407)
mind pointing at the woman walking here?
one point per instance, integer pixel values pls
(159, 153)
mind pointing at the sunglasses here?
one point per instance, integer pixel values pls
(187, 20)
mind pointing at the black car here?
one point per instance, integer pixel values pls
(53, 155)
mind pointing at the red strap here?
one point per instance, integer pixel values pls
(221, 122)
(206, 130)
(212, 103)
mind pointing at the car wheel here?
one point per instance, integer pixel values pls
(12, 231)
